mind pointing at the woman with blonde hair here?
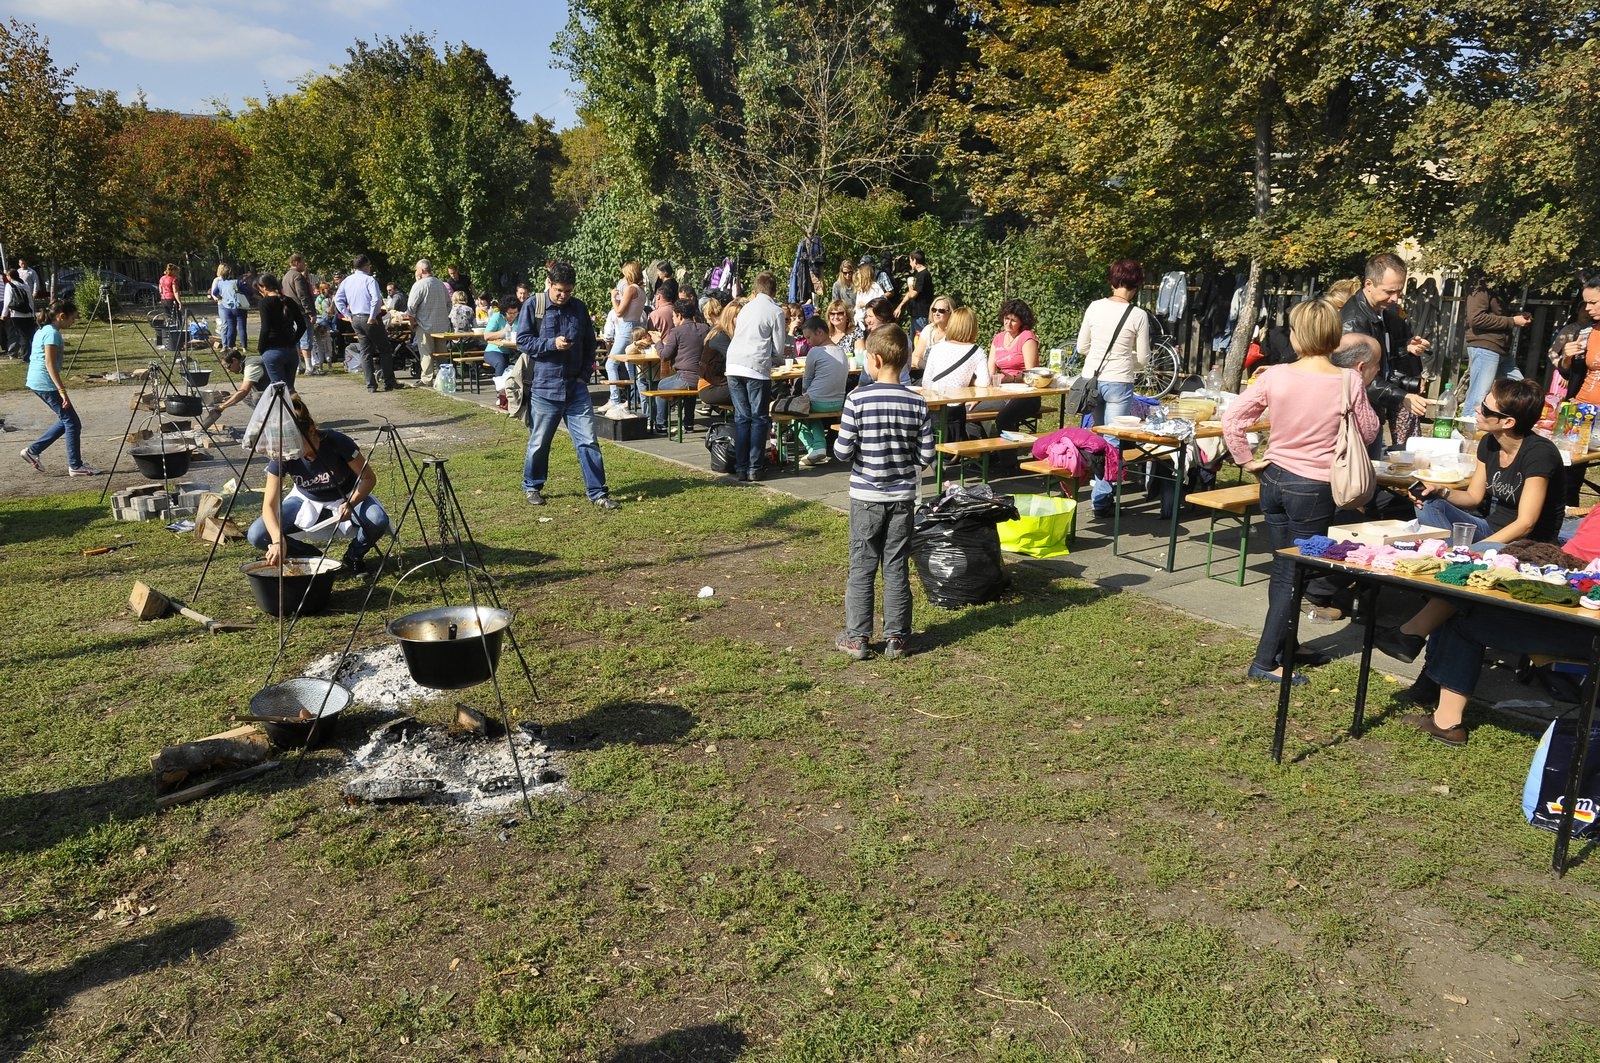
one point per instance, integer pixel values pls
(230, 308)
(839, 318)
(713, 382)
(627, 303)
(1306, 398)
(867, 289)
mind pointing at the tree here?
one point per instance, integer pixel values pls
(178, 180)
(52, 198)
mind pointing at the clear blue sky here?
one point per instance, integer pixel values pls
(183, 53)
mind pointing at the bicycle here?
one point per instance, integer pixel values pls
(1161, 372)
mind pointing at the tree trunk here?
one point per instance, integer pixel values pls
(1233, 368)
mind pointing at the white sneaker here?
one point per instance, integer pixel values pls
(601, 411)
(618, 413)
(811, 461)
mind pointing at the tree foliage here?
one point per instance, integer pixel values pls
(177, 181)
(53, 202)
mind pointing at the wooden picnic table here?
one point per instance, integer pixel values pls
(939, 400)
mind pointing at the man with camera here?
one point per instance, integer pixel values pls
(1373, 312)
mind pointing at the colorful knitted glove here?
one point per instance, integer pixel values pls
(1458, 573)
(1313, 546)
(1419, 566)
(1539, 592)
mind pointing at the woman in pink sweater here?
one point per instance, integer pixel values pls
(1306, 400)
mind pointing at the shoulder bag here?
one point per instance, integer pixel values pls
(1085, 390)
(1351, 475)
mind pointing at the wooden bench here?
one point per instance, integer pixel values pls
(1040, 467)
(1235, 503)
(976, 448)
(791, 418)
(678, 400)
(473, 360)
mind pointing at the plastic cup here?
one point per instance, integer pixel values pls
(1461, 535)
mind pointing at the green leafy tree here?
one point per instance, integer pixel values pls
(53, 203)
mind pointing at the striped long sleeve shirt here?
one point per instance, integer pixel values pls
(886, 435)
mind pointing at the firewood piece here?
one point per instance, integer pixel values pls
(470, 721)
(173, 765)
(211, 786)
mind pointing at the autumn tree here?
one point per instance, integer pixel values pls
(178, 180)
(52, 169)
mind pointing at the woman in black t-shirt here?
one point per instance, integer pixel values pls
(331, 478)
(1516, 493)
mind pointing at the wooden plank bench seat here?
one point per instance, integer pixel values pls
(967, 449)
(1237, 503)
(678, 402)
(1040, 467)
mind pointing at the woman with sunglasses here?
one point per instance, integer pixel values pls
(839, 324)
(1516, 492)
(932, 333)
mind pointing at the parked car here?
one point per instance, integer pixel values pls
(129, 292)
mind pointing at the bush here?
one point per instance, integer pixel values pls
(86, 293)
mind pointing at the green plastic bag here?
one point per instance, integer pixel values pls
(1044, 529)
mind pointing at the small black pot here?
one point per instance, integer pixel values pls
(288, 698)
(184, 405)
(197, 378)
(307, 583)
(450, 648)
(159, 463)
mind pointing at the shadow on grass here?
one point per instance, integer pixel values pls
(712, 1043)
(30, 519)
(640, 723)
(26, 1000)
(1012, 608)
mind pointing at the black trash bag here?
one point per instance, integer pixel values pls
(719, 440)
(956, 548)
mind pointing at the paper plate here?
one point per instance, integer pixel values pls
(1432, 476)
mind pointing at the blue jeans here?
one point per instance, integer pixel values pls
(1437, 513)
(880, 537)
(1455, 651)
(544, 415)
(675, 383)
(1292, 507)
(617, 370)
(751, 422)
(281, 363)
(371, 521)
(496, 360)
(1486, 367)
(67, 424)
(235, 326)
(1115, 399)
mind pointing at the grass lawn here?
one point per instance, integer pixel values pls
(1054, 835)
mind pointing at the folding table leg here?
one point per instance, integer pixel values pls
(1291, 646)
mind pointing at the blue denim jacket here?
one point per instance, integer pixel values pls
(557, 375)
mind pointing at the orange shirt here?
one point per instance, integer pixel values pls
(1590, 392)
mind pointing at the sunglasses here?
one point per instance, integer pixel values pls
(1484, 407)
(941, 310)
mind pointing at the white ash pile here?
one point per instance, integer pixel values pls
(376, 677)
(472, 772)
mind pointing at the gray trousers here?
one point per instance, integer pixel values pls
(880, 537)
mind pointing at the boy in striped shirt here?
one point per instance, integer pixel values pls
(886, 437)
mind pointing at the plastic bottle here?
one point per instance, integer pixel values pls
(1214, 383)
(1444, 421)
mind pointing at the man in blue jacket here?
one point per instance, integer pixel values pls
(557, 336)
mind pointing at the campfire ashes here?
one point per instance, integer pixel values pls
(406, 760)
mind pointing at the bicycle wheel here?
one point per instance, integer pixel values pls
(1160, 373)
(1072, 363)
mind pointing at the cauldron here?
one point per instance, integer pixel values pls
(307, 583)
(184, 405)
(289, 698)
(197, 378)
(452, 647)
(162, 462)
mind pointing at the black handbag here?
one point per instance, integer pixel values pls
(794, 405)
(1081, 397)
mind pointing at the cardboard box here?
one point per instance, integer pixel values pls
(1384, 532)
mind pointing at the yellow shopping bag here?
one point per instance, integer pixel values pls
(1044, 528)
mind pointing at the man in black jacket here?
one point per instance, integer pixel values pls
(1372, 312)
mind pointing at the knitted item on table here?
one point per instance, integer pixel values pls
(1340, 551)
(1490, 578)
(1582, 584)
(1539, 592)
(1362, 555)
(1457, 574)
(1591, 600)
(1314, 545)
(1537, 553)
(1419, 566)
(1504, 562)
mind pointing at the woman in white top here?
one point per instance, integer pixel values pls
(1115, 342)
(867, 289)
(932, 333)
(627, 302)
(956, 361)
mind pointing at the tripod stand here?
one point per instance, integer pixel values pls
(104, 304)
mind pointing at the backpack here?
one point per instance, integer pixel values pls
(520, 374)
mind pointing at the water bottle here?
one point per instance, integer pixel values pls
(1444, 422)
(1214, 383)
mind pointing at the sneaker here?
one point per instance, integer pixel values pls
(1398, 644)
(84, 470)
(618, 413)
(1257, 672)
(894, 648)
(812, 460)
(601, 411)
(607, 503)
(1323, 614)
(535, 498)
(1450, 736)
(855, 646)
(32, 459)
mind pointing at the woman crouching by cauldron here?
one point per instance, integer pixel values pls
(331, 478)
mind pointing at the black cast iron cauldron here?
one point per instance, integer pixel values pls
(452, 647)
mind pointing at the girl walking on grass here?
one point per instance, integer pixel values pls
(44, 380)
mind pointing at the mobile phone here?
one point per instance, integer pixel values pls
(1415, 489)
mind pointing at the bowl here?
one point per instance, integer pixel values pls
(162, 462)
(293, 697)
(452, 647)
(1040, 378)
(307, 584)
